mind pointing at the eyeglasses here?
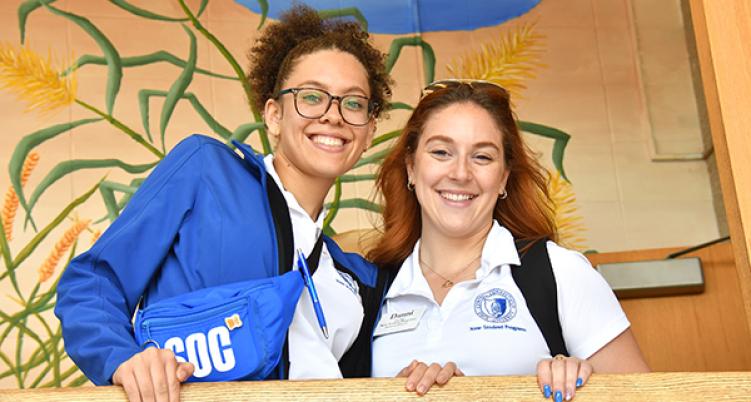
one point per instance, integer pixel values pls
(456, 82)
(312, 103)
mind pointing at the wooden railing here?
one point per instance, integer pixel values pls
(673, 387)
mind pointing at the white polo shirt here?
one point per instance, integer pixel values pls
(484, 325)
(311, 355)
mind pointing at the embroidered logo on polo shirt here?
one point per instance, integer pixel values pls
(347, 281)
(495, 305)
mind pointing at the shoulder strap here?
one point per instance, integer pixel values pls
(357, 360)
(536, 280)
(285, 242)
(285, 245)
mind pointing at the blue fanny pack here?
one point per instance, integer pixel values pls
(231, 332)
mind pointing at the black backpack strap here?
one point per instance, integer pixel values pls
(536, 280)
(285, 244)
(357, 360)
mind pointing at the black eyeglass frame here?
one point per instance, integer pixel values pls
(372, 105)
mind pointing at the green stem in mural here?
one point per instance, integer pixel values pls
(141, 12)
(4, 247)
(63, 376)
(360, 203)
(559, 137)
(428, 55)
(334, 205)
(352, 178)
(29, 248)
(346, 12)
(137, 61)
(374, 158)
(238, 71)
(127, 130)
(385, 137)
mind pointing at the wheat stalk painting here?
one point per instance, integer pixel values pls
(35, 79)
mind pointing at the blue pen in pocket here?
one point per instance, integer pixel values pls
(303, 266)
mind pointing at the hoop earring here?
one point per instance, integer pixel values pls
(503, 195)
(410, 186)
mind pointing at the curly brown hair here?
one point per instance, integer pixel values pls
(301, 31)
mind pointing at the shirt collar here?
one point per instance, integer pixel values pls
(409, 279)
(292, 203)
(499, 249)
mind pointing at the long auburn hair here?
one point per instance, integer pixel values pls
(527, 211)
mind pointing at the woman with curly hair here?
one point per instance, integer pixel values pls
(469, 234)
(206, 218)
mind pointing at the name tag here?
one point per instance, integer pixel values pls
(399, 321)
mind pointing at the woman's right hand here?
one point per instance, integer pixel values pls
(421, 377)
(152, 375)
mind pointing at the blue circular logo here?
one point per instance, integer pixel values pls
(495, 305)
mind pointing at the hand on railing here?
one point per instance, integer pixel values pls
(560, 376)
(420, 376)
(152, 375)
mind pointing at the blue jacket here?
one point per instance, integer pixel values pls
(201, 219)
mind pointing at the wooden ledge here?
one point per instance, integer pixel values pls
(726, 386)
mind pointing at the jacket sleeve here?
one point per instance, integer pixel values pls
(99, 291)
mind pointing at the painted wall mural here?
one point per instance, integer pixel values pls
(96, 93)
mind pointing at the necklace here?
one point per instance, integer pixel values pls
(448, 282)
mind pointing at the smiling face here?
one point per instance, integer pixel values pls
(319, 149)
(458, 170)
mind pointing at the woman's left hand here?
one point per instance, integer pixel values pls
(420, 376)
(560, 376)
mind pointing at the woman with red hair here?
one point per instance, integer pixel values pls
(478, 280)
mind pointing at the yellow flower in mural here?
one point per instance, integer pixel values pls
(11, 198)
(35, 79)
(567, 220)
(62, 245)
(507, 62)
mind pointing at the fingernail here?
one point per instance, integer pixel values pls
(579, 382)
(410, 386)
(546, 390)
(568, 395)
(421, 389)
(558, 396)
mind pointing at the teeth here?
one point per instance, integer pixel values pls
(457, 197)
(326, 140)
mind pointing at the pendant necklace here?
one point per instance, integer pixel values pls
(447, 282)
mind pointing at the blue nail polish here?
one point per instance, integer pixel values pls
(579, 382)
(558, 396)
(547, 391)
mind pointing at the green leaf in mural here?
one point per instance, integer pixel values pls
(177, 90)
(264, 4)
(242, 132)
(64, 168)
(359, 203)
(428, 55)
(372, 158)
(42, 234)
(353, 178)
(108, 188)
(333, 206)
(143, 102)
(144, 60)
(114, 64)
(23, 14)
(346, 12)
(559, 145)
(385, 137)
(153, 16)
(25, 145)
(400, 106)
